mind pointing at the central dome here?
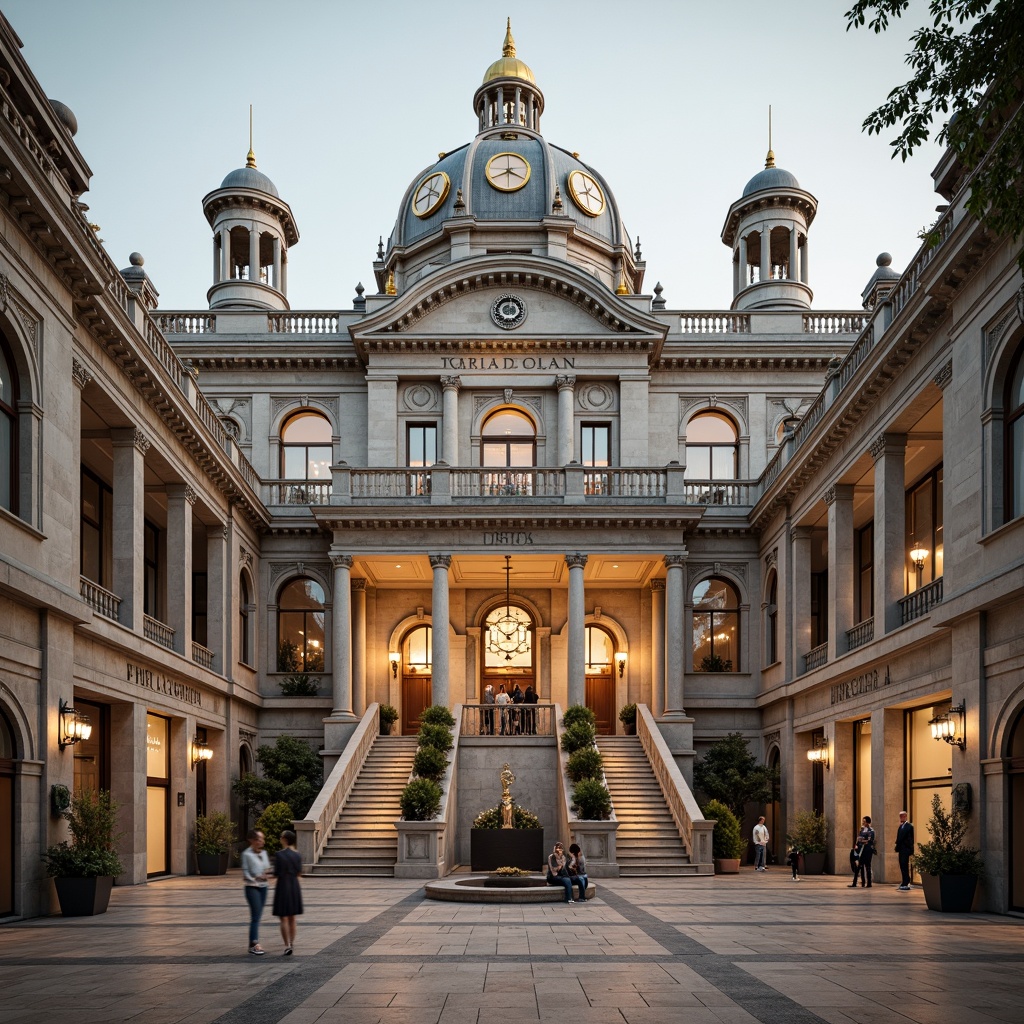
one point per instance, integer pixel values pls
(508, 65)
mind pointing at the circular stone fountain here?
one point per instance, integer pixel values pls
(498, 889)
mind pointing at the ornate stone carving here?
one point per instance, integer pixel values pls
(141, 442)
(79, 374)
(576, 560)
(451, 382)
(440, 561)
(771, 559)
(244, 556)
(564, 381)
(508, 396)
(359, 583)
(674, 560)
(658, 584)
(944, 376)
(877, 446)
(325, 403)
(190, 494)
(596, 397)
(830, 495)
(701, 570)
(420, 397)
(772, 737)
(339, 562)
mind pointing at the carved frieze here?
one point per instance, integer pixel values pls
(80, 374)
(944, 376)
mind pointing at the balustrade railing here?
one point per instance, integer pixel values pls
(302, 323)
(297, 492)
(714, 323)
(507, 483)
(626, 482)
(816, 657)
(861, 634)
(202, 655)
(187, 323)
(509, 721)
(390, 483)
(835, 323)
(102, 601)
(921, 601)
(157, 631)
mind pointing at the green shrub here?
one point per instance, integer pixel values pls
(809, 833)
(437, 714)
(213, 833)
(430, 763)
(591, 800)
(299, 684)
(575, 713)
(727, 839)
(437, 736)
(585, 763)
(729, 772)
(577, 736)
(292, 772)
(89, 853)
(715, 663)
(421, 800)
(273, 821)
(627, 714)
(946, 853)
(521, 818)
(388, 717)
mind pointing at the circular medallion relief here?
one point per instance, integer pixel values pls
(508, 311)
(596, 396)
(420, 397)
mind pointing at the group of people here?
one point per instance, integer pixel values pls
(568, 870)
(512, 721)
(287, 893)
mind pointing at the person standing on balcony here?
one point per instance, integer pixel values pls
(488, 726)
(531, 698)
(503, 700)
(761, 845)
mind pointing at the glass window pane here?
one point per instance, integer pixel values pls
(6, 380)
(307, 427)
(1017, 468)
(319, 464)
(520, 454)
(698, 463)
(157, 748)
(723, 463)
(417, 647)
(290, 641)
(701, 638)
(495, 455)
(302, 594)
(725, 638)
(713, 593)
(90, 552)
(598, 647)
(710, 427)
(294, 463)
(509, 424)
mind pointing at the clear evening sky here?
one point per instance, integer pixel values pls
(668, 99)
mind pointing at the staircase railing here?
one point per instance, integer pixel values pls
(313, 831)
(694, 831)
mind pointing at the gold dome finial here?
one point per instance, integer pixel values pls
(623, 288)
(250, 158)
(389, 288)
(509, 49)
(769, 160)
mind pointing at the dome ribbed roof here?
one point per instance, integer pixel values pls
(250, 177)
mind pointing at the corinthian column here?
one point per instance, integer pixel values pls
(566, 438)
(674, 635)
(439, 616)
(450, 419)
(576, 652)
(359, 647)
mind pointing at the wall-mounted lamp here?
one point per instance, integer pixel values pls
(918, 554)
(394, 657)
(620, 660)
(818, 754)
(72, 726)
(200, 751)
(951, 726)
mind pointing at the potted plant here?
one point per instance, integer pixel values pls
(83, 867)
(213, 835)
(949, 869)
(388, 717)
(810, 837)
(627, 716)
(727, 843)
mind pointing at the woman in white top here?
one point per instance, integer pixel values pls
(255, 869)
(503, 700)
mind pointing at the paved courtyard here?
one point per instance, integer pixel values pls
(755, 947)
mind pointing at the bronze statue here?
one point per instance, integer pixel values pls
(507, 778)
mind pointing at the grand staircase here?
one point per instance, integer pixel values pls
(363, 842)
(647, 841)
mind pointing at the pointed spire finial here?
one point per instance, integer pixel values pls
(250, 159)
(509, 49)
(623, 288)
(770, 159)
(389, 287)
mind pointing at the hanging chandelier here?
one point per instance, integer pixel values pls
(509, 635)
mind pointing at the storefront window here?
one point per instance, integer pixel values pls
(158, 782)
(930, 767)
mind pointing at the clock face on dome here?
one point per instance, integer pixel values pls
(430, 193)
(507, 172)
(586, 193)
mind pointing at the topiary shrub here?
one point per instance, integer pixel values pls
(437, 736)
(273, 821)
(421, 800)
(727, 840)
(591, 800)
(437, 714)
(388, 717)
(585, 763)
(576, 713)
(809, 833)
(214, 833)
(627, 714)
(430, 763)
(521, 818)
(578, 736)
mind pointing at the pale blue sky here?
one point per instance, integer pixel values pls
(668, 99)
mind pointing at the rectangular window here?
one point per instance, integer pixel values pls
(924, 531)
(596, 451)
(421, 448)
(819, 608)
(199, 608)
(864, 554)
(151, 567)
(97, 530)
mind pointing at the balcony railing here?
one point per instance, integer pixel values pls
(202, 655)
(921, 601)
(158, 632)
(509, 721)
(102, 601)
(861, 634)
(297, 492)
(816, 657)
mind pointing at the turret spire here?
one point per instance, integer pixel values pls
(250, 159)
(509, 49)
(770, 159)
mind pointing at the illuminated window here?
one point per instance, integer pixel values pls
(300, 627)
(716, 623)
(711, 448)
(306, 450)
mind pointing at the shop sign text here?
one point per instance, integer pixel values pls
(508, 362)
(160, 683)
(858, 685)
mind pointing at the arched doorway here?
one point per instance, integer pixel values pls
(1016, 851)
(417, 657)
(8, 752)
(508, 662)
(599, 666)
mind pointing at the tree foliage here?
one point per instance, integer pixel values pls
(729, 772)
(966, 63)
(292, 772)
(946, 854)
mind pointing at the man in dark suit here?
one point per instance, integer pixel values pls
(904, 847)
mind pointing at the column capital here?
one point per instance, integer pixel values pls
(127, 437)
(565, 382)
(576, 560)
(671, 561)
(191, 496)
(79, 374)
(890, 444)
(440, 561)
(842, 492)
(451, 383)
(359, 584)
(944, 376)
(341, 561)
(658, 585)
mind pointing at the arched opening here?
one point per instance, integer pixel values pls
(712, 447)
(8, 753)
(599, 668)
(245, 621)
(508, 444)
(417, 659)
(716, 626)
(306, 455)
(1015, 853)
(300, 627)
(771, 616)
(8, 430)
(1014, 439)
(508, 646)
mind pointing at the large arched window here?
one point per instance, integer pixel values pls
(771, 615)
(508, 638)
(711, 447)
(245, 645)
(300, 627)
(306, 447)
(8, 430)
(509, 441)
(1014, 446)
(716, 626)
(417, 650)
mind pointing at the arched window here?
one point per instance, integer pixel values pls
(509, 440)
(306, 447)
(711, 447)
(772, 621)
(599, 651)
(508, 638)
(1014, 445)
(417, 650)
(8, 430)
(300, 627)
(716, 627)
(245, 645)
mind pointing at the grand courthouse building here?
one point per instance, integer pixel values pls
(806, 526)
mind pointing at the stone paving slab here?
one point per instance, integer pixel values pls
(730, 950)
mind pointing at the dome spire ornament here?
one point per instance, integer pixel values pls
(250, 157)
(770, 158)
(509, 48)
(623, 288)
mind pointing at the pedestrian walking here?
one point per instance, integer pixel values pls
(793, 860)
(761, 838)
(255, 869)
(288, 892)
(865, 851)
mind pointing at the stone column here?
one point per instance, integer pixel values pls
(566, 434)
(130, 446)
(793, 254)
(218, 599)
(254, 252)
(180, 499)
(284, 272)
(277, 263)
(766, 253)
(450, 419)
(341, 636)
(225, 254)
(839, 498)
(804, 266)
(889, 452)
(80, 376)
(359, 646)
(744, 268)
(440, 662)
(576, 652)
(798, 588)
(657, 647)
(675, 653)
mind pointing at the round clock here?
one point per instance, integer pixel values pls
(430, 193)
(586, 193)
(508, 311)
(507, 172)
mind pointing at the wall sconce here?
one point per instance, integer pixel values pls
(918, 554)
(394, 657)
(200, 751)
(818, 754)
(951, 726)
(72, 726)
(620, 660)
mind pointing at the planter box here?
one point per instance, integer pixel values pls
(212, 863)
(727, 866)
(84, 897)
(813, 863)
(493, 848)
(950, 894)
